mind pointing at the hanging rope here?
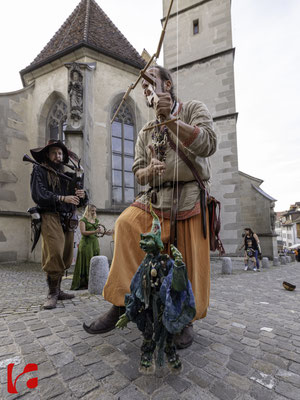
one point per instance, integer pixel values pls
(142, 73)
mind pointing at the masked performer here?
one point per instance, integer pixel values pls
(175, 195)
(56, 199)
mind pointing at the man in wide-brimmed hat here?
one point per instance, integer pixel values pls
(55, 194)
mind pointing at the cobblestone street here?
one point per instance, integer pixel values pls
(248, 346)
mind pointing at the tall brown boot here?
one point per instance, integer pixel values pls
(63, 295)
(53, 284)
(106, 322)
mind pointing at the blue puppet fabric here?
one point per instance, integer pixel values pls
(179, 306)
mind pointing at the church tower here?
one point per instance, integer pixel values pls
(198, 50)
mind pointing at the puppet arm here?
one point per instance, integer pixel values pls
(123, 321)
(180, 279)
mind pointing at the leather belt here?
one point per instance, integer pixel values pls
(171, 184)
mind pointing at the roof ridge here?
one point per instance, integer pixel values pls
(72, 22)
(86, 22)
(88, 25)
(115, 26)
(74, 13)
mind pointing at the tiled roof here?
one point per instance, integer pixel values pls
(88, 26)
(263, 193)
(259, 181)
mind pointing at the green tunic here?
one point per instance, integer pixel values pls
(88, 248)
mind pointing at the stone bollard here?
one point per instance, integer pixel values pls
(98, 274)
(282, 260)
(226, 266)
(275, 261)
(293, 257)
(265, 262)
(288, 259)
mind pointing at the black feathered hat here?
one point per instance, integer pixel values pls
(39, 154)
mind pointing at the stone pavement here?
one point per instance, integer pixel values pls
(248, 346)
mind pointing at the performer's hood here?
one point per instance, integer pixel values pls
(39, 154)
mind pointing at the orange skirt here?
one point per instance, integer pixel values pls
(128, 255)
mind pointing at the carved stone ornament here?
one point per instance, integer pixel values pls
(272, 216)
(75, 91)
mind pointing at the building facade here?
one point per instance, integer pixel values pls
(74, 86)
(288, 227)
(198, 49)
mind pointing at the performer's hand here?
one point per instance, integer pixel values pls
(72, 200)
(163, 106)
(123, 321)
(156, 167)
(80, 193)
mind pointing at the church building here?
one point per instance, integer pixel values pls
(72, 89)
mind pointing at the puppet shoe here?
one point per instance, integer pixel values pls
(106, 322)
(185, 338)
(147, 366)
(174, 362)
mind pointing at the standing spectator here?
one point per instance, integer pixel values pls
(88, 247)
(298, 254)
(252, 248)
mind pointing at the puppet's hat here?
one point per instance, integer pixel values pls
(156, 228)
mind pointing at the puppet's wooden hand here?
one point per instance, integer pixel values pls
(123, 321)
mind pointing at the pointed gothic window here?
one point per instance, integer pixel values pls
(122, 153)
(57, 120)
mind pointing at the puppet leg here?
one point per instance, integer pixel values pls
(172, 357)
(148, 346)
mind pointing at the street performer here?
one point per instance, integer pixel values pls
(56, 200)
(174, 194)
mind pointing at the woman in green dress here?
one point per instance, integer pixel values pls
(88, 247)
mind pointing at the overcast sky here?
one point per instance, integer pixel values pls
(266, 35)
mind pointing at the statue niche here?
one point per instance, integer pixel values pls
(75, 91)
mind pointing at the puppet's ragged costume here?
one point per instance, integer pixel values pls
(161, 301)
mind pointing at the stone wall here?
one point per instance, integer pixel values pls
(205, 72)
(214, 30)
(23, 126)
(256, 213)
(14, 178)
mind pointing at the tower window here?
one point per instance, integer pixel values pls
(196, 26)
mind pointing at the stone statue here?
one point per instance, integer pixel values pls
(272, 216)
(75, 91)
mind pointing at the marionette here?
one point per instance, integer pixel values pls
(161, 301)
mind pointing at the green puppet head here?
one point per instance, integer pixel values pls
(151, 242)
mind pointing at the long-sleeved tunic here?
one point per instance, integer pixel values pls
(202, 144)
